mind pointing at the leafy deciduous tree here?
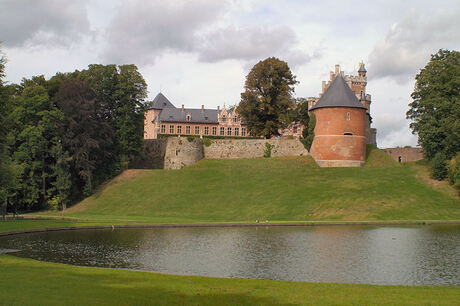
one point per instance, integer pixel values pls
(435, 110)
(266, 102)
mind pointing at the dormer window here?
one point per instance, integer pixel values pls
(188, 117)
(224, 118)
(205, 118)
(235, 119)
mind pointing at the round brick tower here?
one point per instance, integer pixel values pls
(340, 132)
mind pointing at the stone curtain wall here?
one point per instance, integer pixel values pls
(179, 152)
(406, 154)
(252, 148)
(153, 155)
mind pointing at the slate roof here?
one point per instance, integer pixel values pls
(161, 102)
(197, 115)
(338, 94)
(361, 68)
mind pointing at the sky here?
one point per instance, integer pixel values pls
(199, 52)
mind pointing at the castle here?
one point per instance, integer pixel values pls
(342, 111)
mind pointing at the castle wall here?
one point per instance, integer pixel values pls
(152, 156)
(331, 147)
(180, 152)
(405, 154)
(253, 148)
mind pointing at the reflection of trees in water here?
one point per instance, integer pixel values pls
(380, 255)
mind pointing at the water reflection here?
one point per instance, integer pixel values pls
(425, 255)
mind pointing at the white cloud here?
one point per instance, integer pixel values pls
(409, 43)
(32, 23)
(252, 43)
(143, 30)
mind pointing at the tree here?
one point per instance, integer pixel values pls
(85, 137)
(435, 110)
(267, 100)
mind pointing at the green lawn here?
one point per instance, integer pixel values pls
(274, 189)
(26, 281)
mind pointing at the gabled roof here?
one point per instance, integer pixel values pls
(161, 102)
(338, 94)
(197, 115)
(361, 68)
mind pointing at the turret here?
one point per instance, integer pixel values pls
(362, 70)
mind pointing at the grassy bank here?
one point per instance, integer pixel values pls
(275, 189)
(26, 281)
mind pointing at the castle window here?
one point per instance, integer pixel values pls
(294, 130)
(163, 129)
(206, 130)
(179, 129)
(229, 131)
(348, 116)
(177, 152)
(243, 131)
(197, 130)
(222, 131)
(224, 118)
(171, 129)
(237, 131)
(235, 119)
(214, 130)
(187, 129)
(399, 159)
(188, 117)
(348, 134)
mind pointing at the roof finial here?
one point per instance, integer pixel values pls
(160, 88)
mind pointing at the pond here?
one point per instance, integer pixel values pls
(417, 255)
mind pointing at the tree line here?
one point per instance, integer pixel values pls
(435, 114)
(62, 137)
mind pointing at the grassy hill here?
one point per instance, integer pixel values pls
(274, 189)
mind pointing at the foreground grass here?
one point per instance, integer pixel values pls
(275, 189)
(26, 281)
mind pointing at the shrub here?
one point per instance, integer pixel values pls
(190, 138)
(438, 166)
(268, 150)
(453, 171)
(207, 142)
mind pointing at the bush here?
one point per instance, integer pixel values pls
(438, 167)
(207, 142)
(453, 171)
(268, 150)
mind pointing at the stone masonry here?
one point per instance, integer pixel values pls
(179, 152)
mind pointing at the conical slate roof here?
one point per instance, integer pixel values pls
(339, 94)
(161, 102)
(361, 68)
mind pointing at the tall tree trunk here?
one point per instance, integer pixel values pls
(4, 206)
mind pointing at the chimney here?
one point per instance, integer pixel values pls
(182, 106)
(323, 85)
(218, 107)
(337, 69)
(202, 107)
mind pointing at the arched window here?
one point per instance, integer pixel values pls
(235, 119)
(224, 118)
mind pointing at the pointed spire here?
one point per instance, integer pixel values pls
(361, 67)
(338, 94)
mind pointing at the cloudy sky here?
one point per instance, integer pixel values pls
(199, 52)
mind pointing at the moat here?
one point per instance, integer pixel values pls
(413, 255)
